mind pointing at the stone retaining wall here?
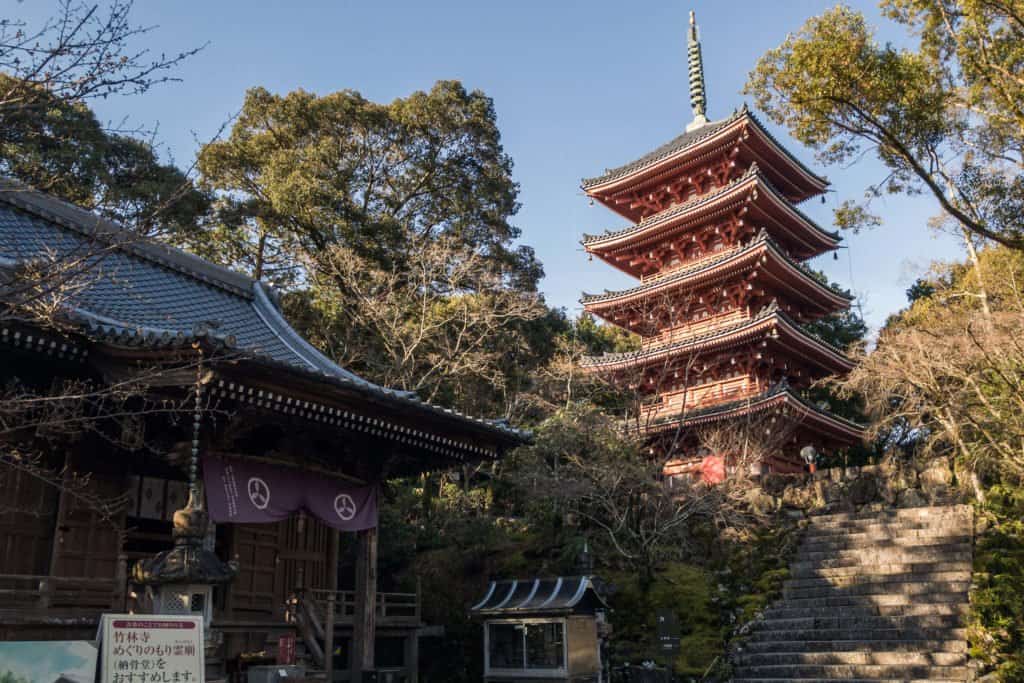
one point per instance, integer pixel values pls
(893, 483)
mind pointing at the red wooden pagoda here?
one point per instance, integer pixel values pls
(718, 244)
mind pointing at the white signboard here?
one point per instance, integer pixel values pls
(151, 648)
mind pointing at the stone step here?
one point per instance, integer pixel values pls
(890, 588)
(942, 512)
(879, 600)
(939, 548)
(869, 559)
(875, 534)
(854, 671)
(854, 657)
(808, 570)
(858, 634)
(842, 621)
(784, 612)
(856, 542)
(843, 582)
(937, 645)
(743, 677)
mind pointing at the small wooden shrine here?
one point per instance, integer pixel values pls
(542, 628)
(171, 358)
(718, 244)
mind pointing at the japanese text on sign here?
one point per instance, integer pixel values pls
(158, 649)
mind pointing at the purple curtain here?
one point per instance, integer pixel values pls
(249, 492)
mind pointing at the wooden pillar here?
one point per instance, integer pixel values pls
(412, 656)
(332, 597)
(364, 627)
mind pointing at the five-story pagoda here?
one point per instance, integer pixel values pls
(718, 244)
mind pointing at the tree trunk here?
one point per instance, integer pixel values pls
(972, 255)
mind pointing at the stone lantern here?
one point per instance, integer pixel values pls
(182, 578)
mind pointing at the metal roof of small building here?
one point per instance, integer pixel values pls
(538, 596)
(132, 291)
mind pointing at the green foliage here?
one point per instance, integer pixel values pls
(942, 119)
(996, 625)
(61, 148)
(306, 172)
(687, 590)
(390, 225)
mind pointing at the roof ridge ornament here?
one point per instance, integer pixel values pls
(698, 98)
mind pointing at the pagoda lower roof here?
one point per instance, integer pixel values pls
(779, 396)
(767, 320)
(728, 264)
(816, 238)
(678, 146)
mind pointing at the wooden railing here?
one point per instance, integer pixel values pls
(57, 594)
(671, 405)
(391, 608)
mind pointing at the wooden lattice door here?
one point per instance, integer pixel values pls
(254, 591)
(27, 514)
(304, 546)
(88, 539)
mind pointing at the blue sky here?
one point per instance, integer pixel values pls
(578, 87)
(44, 662)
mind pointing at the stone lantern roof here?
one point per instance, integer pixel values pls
(188, 562)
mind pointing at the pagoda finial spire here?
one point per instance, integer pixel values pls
(696, 63)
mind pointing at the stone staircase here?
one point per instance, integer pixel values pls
(872, 596)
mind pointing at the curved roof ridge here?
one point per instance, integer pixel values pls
(753, 171)
(150, 295)
(769, 311)
(674, 145)
(804, 167)
(613, 357)
(301, 348)
(93, 225)
(689, 138)
(778, 389)
(676, 208)
(682, 273)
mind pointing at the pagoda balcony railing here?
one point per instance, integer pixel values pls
(690, 263)
(28, 598)
(696, 328)
(696, 398)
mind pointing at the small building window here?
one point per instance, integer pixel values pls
(544, 646)
(506, 646)
(521, 646)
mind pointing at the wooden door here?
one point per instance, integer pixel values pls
(305, 542)
(254, 591)
(89, 540)
(28, 508)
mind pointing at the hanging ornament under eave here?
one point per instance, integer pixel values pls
(182, 578)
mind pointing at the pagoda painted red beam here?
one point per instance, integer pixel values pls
(718, 245)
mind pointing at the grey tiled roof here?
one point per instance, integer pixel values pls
(136, 292)
(686, 140)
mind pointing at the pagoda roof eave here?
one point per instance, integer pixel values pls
(771, 318)
(680, 145)
(701, 272)
(700, 205)
(777, 396)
